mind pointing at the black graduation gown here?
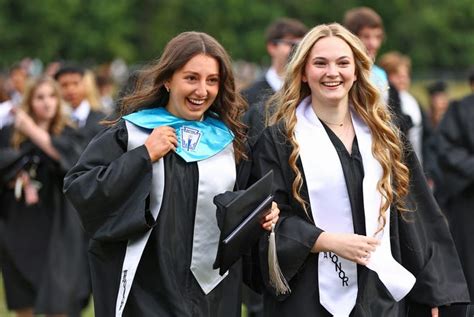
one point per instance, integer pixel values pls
(257, 96)
(42, 242)
(110, 189)
(456, 191)
(92, 127)
(87, 132)
(401, 120)
(258, 92)
(255, 119)
(421, 243)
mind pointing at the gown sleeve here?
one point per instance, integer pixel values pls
(427, 248)
(68, 144)
(110, 186)
(295, 234)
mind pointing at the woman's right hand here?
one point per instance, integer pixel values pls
(353, 247)
(23, 122)
(160, 142)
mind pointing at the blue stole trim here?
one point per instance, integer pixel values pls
(197, 140)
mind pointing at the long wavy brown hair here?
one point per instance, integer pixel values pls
(387, 146)
(58, 122)
(150, 92)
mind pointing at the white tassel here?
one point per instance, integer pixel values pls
(18, 187)
(277, 280)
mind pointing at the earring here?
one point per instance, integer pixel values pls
(167, 88)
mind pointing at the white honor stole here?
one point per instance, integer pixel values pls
(217, 174)
(331, 210)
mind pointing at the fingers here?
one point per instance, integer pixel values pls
(434, 312)
(169, 134)
(274, 212)
(160, 142)
(365, 248)
(271, 218)
(372, 241)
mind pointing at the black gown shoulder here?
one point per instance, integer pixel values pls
(109, 186)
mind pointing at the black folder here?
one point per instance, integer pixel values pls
(240, 215)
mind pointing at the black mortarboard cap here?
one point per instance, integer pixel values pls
(240, 215)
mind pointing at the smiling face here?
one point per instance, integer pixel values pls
(193, 88)
(330, 71)
(44, 103)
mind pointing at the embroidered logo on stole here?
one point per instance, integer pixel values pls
(190, 138)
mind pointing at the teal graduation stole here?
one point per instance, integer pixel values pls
(197, 140)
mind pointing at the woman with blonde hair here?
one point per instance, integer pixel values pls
(41, 247)
(359, 231)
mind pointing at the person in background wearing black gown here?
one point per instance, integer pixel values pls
(455, 191)
(438, 102)
(40, 254)
(359, 232)
(281, 37)
(144, 188)
(77, 87)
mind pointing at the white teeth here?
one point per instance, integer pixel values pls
(197, 101)
(332, 84)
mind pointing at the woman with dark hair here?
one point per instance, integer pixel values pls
(144, 188)
(41, 257)
(360, 233)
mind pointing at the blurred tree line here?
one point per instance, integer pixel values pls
(435, 33)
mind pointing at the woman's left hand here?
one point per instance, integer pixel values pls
(434, 312)
(271, 218)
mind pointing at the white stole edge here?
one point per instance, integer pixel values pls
(135, 247)
(398, 280)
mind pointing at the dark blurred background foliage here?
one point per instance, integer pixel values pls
(436, 34)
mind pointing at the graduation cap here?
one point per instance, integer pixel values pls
(240, 215)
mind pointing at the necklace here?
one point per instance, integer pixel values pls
(331, 123)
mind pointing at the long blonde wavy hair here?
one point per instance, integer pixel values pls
(387, 146)
(58, 122)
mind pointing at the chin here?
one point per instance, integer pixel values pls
(193, 116)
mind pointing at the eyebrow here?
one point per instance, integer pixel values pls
(324, 58)
(197, 73)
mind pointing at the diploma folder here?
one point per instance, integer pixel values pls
(240, 215)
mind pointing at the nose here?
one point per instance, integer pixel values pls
(201, 89)
(332, 69)
(51, 101)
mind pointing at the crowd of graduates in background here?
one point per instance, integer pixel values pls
(48, 116)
